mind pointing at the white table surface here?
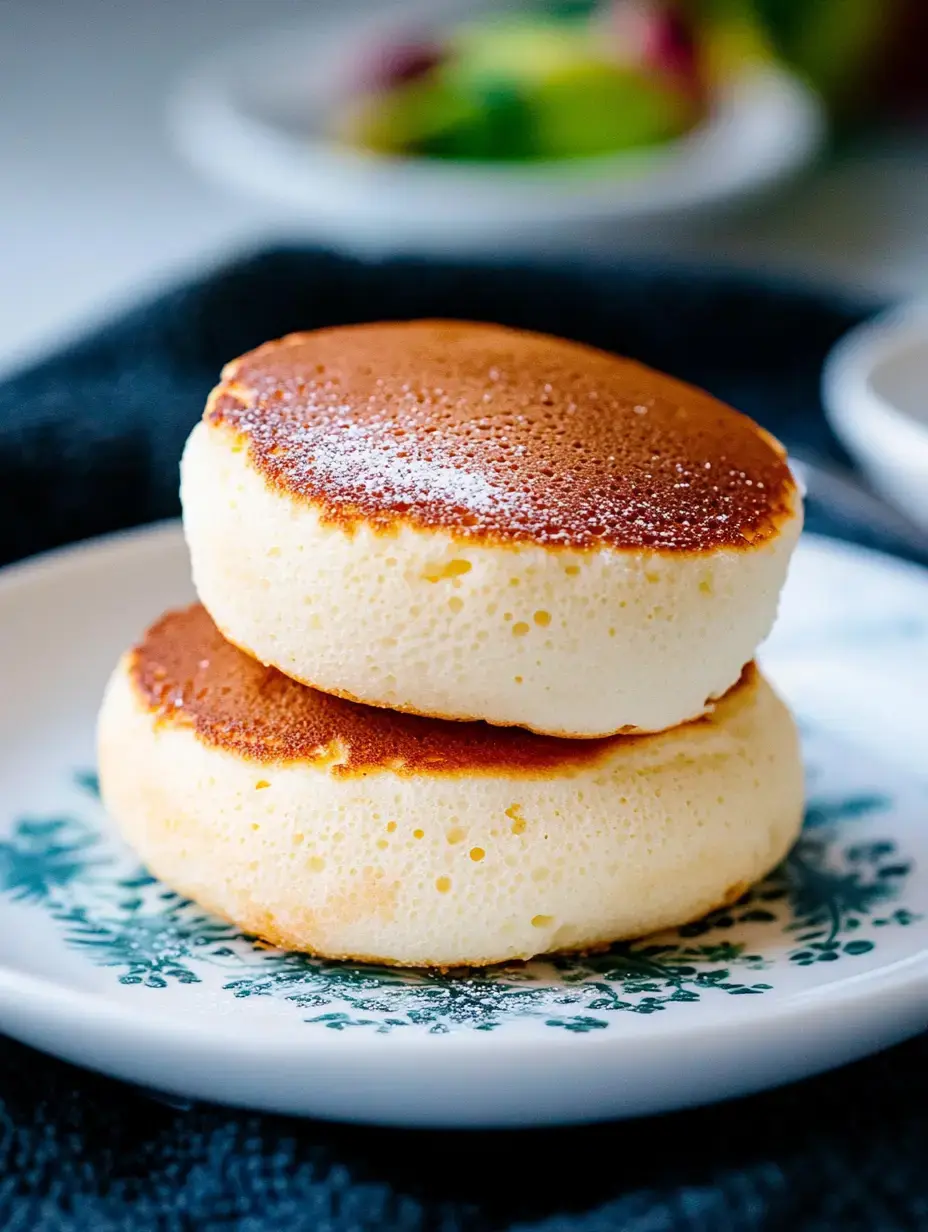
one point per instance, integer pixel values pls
(97, 208)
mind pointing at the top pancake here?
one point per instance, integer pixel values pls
(185, 673)
(502, 435)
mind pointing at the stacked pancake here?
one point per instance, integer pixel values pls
(471, 677)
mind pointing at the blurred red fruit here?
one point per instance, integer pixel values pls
(395, 64)
(660, 35)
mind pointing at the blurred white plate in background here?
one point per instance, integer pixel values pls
(253, 117)
(875, 391)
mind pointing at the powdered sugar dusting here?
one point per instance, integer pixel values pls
(354, 457)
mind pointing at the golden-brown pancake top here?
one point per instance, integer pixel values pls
(498, 434)
(188, 674)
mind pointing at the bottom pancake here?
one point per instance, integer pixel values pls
(321, 825)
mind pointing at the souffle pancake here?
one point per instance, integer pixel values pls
(472, 522)
(352, 831)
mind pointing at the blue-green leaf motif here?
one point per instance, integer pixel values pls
(45, 857)
(151, 945)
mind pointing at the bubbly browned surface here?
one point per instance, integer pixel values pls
(187, 673)
(496, 433)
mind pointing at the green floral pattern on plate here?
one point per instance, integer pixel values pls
(826, 903)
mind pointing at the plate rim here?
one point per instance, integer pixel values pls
(906, 978)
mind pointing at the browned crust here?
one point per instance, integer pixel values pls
(503, 436)
(187, 674)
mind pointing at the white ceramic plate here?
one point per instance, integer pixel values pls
(875, 391)
(252, 116)
(826, 961)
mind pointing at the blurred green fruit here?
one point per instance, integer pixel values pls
(522, 89)
(410, 117)
(597, 109)
(522, 51)
(733, 36)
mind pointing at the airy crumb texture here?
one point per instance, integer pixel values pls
(186, 673)
(502, 434)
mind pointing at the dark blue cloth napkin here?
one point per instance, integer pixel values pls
(89, 442)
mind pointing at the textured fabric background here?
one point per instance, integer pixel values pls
(89, 442)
